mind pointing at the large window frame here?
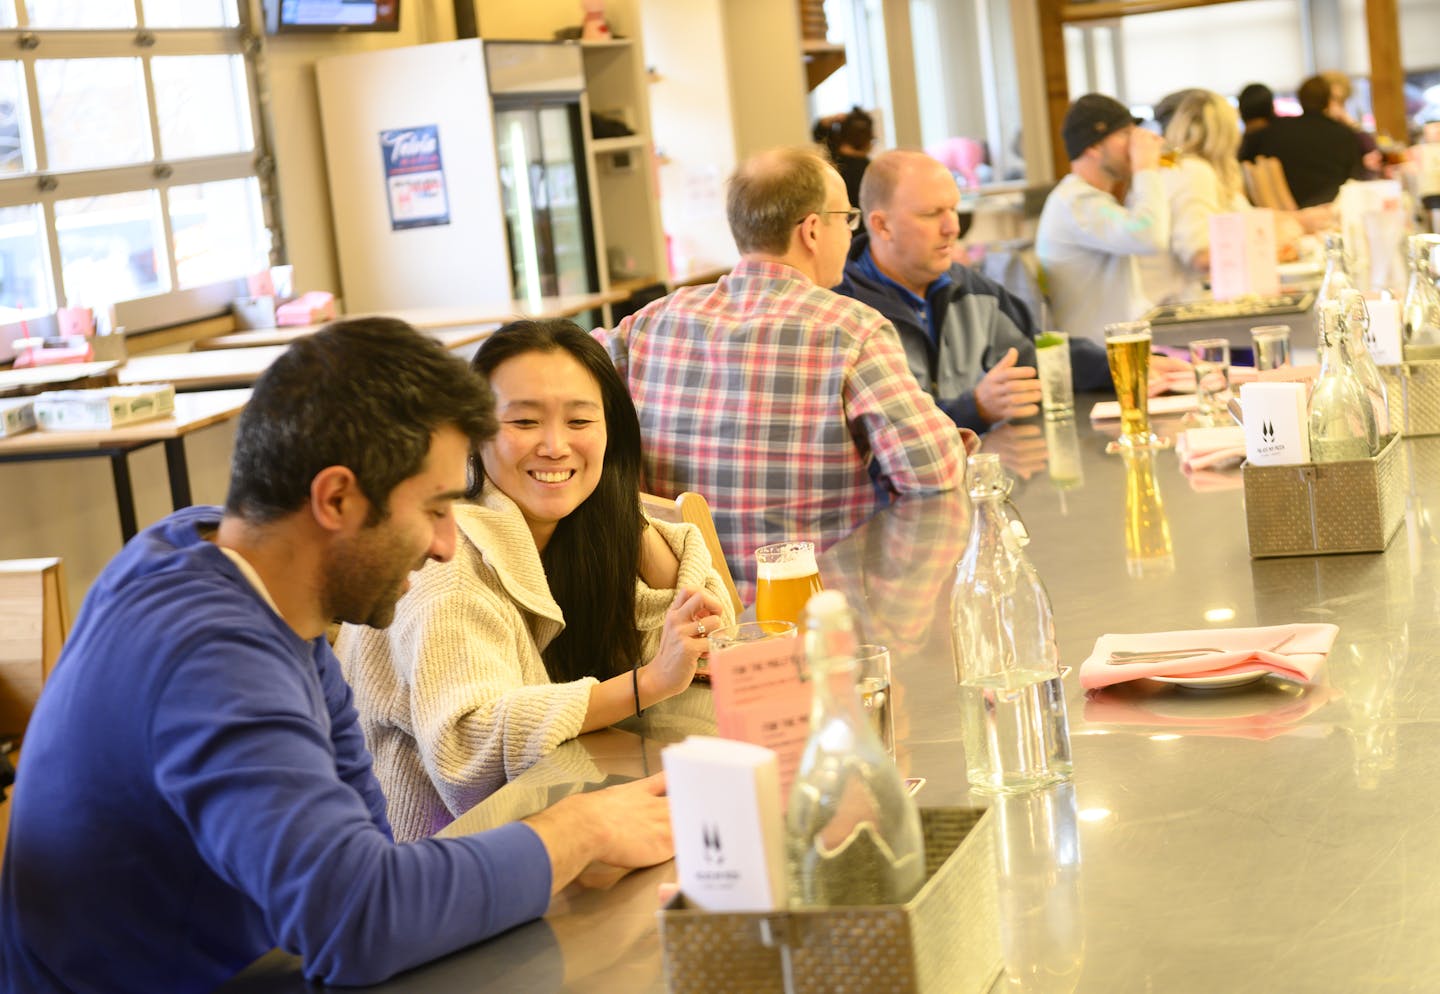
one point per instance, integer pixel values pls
(42, 186)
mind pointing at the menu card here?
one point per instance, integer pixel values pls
(1242, 254)
(1383, 338)
(760, 698)
(725, 816)
(1276, 428)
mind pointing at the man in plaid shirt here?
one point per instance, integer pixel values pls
(789, 407)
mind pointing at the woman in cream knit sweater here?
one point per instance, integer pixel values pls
(563, 609)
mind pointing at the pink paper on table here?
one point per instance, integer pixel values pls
(1295, 652)
(759, 698)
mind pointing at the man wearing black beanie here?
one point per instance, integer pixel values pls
(1110, 208)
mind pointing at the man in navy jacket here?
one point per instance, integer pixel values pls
(969, 341)
(196, 790)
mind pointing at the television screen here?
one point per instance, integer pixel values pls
(333, 15)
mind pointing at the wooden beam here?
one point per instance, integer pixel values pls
(1387, 76)
(1057, 80)
(1104, 10)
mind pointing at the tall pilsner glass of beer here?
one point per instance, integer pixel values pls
(786, 577)
(1127, 346)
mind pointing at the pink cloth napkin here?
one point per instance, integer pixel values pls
(1210, 448)
(1295, 652)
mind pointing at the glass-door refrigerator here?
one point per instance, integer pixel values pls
(542, 165)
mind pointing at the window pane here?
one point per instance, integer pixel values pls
(111, 248)
(81, 13)
(219, 231)
(203, 105)
(16, 156)
(24, 264)
(190, 14)
(94, 112)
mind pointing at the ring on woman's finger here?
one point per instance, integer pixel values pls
(700, 630)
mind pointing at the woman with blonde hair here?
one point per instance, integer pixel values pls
(1205, 135)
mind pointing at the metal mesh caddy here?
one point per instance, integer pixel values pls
(1315, 508)
(945, 940)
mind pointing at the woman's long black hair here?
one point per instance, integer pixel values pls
(593, 557)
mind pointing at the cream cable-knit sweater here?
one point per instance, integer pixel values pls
(453, 697)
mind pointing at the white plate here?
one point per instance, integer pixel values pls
(1219, 682)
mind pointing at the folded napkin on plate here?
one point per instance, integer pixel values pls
(1211, 448)
(1292, 651)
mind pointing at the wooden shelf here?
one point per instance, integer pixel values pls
(626, 143)
(821, 60)
(630, 284)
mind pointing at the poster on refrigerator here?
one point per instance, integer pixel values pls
(414, 177)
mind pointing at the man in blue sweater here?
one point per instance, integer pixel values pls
(195, 788)
(968, 340)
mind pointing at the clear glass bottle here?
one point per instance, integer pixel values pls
(1355, 326)
(1341, 419)
(1421, 314)
(1013, 720)
(1337, 270)
(852, 833)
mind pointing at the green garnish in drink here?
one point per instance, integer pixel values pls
(1048, 339)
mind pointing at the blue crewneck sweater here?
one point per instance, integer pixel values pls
(196, 791)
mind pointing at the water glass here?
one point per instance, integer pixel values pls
(1272, 346)
(1127, 347)
(739, 637)
(872, 677)
(1057, 388)
(1211, 359)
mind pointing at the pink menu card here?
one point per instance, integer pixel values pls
(759, 698)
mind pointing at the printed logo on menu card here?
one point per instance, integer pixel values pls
(1267, 430)
(710, 836)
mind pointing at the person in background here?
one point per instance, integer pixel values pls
(1168, 105)
(1206, 180)
(563, 610)
(1089, 237)
(1372, 162)
(791, 408)
(1256, 104)
(848, 138)
(196, 790)
(969, 342)
(1317, 153)
(1205, 133)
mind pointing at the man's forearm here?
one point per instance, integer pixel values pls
(572, 839)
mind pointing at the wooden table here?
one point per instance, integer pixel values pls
(201, 370)
(451, 337)
(476, 322)
(193, 411)
(1265, 839)
(59, 377)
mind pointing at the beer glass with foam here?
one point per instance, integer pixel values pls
(786, 576)
(1127, 346)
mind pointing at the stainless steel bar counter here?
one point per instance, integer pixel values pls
(1264, 839)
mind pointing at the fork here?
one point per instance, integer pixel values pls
(1122, 658)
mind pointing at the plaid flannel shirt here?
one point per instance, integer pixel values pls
(772, 397)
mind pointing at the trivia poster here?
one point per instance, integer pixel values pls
(414, 177)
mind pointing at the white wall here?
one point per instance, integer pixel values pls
(1218, 48)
